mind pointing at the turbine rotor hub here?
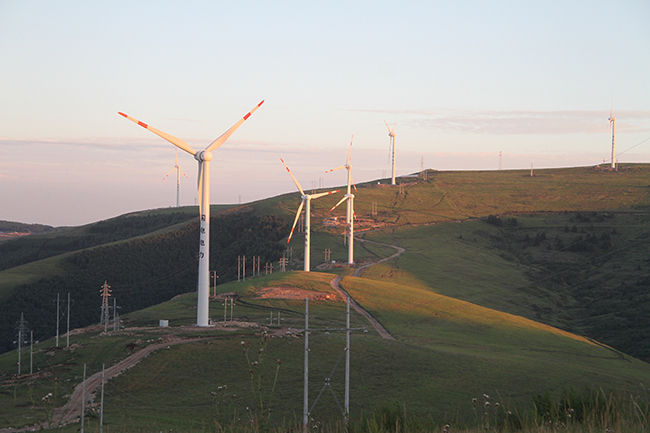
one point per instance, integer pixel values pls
(203, 155)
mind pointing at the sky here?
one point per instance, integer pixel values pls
(460, 81)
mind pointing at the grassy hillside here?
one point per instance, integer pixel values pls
(584, 272)
(446, 352)
(575, 258)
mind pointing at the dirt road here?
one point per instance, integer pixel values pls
(335, 285)
(374, 322)
(72, 410)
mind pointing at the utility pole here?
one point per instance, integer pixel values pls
(347, 366)
(22, 335)
(531, 169)
(83, 399)
(117, 323)
(57, 320)
(283, 264)
(328, 254)
(214, 279)
(67, 344)
(101, 407)
(500, 158)
(31, 351)
(305, 407)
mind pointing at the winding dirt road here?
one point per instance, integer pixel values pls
(335, 285)
(72, 410)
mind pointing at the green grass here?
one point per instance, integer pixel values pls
(447, 352)
(454, 301)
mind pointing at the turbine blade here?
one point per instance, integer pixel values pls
(334, 169)
(179, 169)
(222, 139)
(173, 140)
(296, 220)
(337, 204)
(389, 131)
(176, 153)
(169, 173)
(293, 177)
(350, 152)
(315, 196)
(200, 188)
(352, 180)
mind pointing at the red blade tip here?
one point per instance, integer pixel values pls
(121, 114)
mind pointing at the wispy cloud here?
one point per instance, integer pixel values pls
(522, 122)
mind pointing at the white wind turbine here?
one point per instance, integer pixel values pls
(391, 134)
(612, 121)
(203, 157)
(349, 219)
(178, 178)
(306, 198)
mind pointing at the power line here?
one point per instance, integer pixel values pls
(621, 153)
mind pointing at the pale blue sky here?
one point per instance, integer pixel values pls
(462, 80)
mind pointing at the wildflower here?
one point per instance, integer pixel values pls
(243, 344)
(474, 401)
(487, 404)
(278, 361)
(486, 397)
(496, 405)
(255, 363)
(250, 371)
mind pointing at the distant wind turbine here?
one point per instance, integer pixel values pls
(178, 178)
(612, 121)
(349, 219)
(391, 134)
(203, 157)
(306, 198)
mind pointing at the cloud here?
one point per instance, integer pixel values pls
(514, 122)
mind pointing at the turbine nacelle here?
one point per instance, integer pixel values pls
(204, 155)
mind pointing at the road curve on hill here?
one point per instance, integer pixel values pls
(399, 252)
(374, 322)
(335, 285)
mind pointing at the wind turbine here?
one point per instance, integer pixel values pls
(391, 134)
(349, 219)
(306, 198)
(178, 178)
(203, 157)
(612, 121)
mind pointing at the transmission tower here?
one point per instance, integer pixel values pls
(23, 331)
(105, 293)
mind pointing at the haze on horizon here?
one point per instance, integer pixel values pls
(462, 82)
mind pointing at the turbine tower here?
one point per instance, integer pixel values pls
(391, 134)
(306, 198)
(178, 178)
(203, 157)
(349, 219)
(612, 121)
